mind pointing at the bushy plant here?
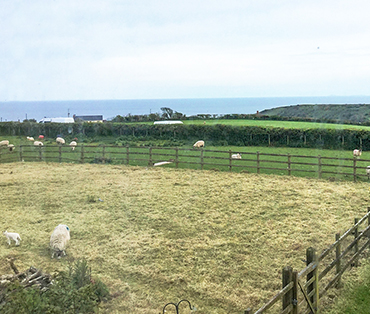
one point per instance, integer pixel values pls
(72, 291)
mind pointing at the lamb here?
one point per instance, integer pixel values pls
(30, 138)
(58, 240)
(368, 172)
(4, 143)
(357, 153)
(60, 140)
(38, 143)
(236, 156)
(73, 144)
(199, 144)
(12, 236)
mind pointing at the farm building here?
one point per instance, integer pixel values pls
(57, 120)
(89, 118)
(168, 122)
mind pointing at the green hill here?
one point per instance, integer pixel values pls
(353, 114)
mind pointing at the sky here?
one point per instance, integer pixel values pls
(153, 49)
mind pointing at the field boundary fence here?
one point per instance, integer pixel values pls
(204, 159)
(303, 290)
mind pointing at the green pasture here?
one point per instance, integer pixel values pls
(302, 162)
(273, 124)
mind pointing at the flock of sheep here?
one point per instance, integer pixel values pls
(58, 240)
(59, 140)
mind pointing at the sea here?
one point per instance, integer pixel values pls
(21, 110)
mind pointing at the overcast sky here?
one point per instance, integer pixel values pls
(73, 50)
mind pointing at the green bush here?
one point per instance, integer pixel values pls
(72, 291)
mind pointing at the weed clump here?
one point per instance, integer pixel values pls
(71, 291)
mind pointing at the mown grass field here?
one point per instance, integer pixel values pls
(274, 124)
(218, 239)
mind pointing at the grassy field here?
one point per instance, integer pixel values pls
(217, 239)
(274, 124)
(214, 157)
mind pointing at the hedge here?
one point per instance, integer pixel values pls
(216, 135)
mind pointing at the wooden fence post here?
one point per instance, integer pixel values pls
(60, 153)
(337, 257)
(356, 243)
(150, 161)
(295, 293)
(354, 168)
(82, 154)
(258, 162)
(269, 139)
(287, 139)
(177, 157)
(289, 165)
(314, 286)
(20, 153)
(127, 154)
(230, 160)
(319, 166)
(103, 153)
(40, 153)
(287, 279)
(201, 159)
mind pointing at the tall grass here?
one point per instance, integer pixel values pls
(155, 236)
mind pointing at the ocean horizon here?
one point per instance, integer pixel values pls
(21, 110)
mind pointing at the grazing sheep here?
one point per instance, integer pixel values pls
(11, 147)
(60, 140)
(199, 144)
(357, 153)
(236, 156)
(58, 240)
(4, 143)
(368, 172)
(73, 144)
(38, 143)
(12, 236)
(30, 138)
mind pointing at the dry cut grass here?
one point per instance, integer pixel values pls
(159, 235)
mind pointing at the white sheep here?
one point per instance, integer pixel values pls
(30, 138)
(38, 143)
(199, 144)
(4, 143)
(11, 147)
(58, 240)
(357, 153)
(12, 236)
(73, 144)
(368, 172)
(60, 140)
(236, 156)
